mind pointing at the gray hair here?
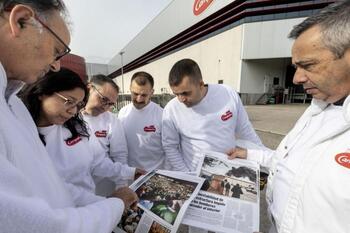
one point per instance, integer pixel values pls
(334, 22)
(40, 6)
(43, 8)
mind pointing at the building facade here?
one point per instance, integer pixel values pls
(241, 43)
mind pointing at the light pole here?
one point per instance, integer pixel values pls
(122, 69)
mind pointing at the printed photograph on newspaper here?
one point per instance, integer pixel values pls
(229, 198)
(164, 197)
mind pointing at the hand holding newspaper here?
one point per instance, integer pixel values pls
(164, 197)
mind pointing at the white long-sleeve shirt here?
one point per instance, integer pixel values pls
(309, 171)
(109, 132)
(77, 160)
(33, 198)
(142, 129)
(212, 124)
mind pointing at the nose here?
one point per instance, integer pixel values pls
(181, 98)
(299, 77)
(106, 107)
(73, 110)
(139, 98)
(55, 66)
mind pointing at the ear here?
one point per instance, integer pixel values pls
(347, 56)
(20, 15)
(89, 86)
(152, 91)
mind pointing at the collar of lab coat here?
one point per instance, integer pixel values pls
(8, 87)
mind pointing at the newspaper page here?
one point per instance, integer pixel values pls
(164, 197)
(229, 198)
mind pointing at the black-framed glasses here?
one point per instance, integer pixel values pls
(104, 100)
(66, 48)
(68, 103)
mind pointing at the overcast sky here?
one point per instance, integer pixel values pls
(102, 28)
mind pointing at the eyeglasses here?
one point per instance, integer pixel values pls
(66, 48)
(104, 100)
(70, 103)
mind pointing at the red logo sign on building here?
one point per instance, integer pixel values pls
(343, 159)
(101, 133)
(201, 5)
(227, 115)
(73, 141)
(150, 128)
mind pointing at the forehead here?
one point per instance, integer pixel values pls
(106, 88)
(76, 93)
(309, 46)
(140, 89)
(185, 85)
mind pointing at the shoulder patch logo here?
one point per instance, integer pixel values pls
(343, 159)
(150, 128)
(101, 133)
(227, 115)
(73, 141)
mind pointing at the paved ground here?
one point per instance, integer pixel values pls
(272, 123)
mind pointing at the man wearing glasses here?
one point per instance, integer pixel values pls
(142, 125)
(106, 127)
(33, 198)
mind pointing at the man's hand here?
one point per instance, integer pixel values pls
(128, 196)
(237, 152)
(139, 172)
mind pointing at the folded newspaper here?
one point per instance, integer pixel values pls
(164, 197)
(229, 199)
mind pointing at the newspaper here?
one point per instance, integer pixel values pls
(164, 197)
(229, 198)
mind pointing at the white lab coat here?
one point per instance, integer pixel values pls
(33, 198)
(319, 200)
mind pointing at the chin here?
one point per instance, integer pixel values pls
(95, 112)
(139, 106)
(189, 105)
(30, 79)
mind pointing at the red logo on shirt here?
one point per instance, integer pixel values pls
(73, 141)
(201, 5)
(150, 128)
(343, 159)
(101, 133)
(226, 116)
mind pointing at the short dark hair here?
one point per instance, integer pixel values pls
(52, 82)
(142, 78)
(100, 79)
(41, 6)
(185, 67)
(334, 22)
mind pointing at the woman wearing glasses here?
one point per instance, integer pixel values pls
(55, 102)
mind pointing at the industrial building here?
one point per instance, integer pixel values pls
(241, 43)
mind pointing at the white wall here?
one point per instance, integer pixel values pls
(95, 68)
(242, 57)
(268, 39)
(254, 73)
(175, 18)
(218, 58)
